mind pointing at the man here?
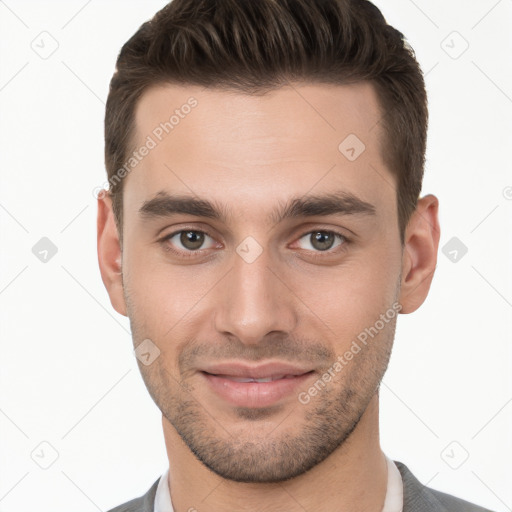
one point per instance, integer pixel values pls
(262, 231)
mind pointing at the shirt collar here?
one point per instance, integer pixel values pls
(393, 503)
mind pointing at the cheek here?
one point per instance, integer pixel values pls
(164, 298)
(352, 296)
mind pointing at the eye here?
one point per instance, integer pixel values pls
(190, 240)
(321, 240)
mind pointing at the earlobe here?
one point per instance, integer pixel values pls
(420, 254)
(110, 254)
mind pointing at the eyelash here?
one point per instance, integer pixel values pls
(186, 254)
(194, 253)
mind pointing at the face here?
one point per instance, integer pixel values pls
(261, 247)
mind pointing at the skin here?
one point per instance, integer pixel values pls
(295, 302)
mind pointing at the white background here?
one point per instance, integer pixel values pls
(68, 375)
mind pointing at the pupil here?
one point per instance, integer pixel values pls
(322, 240)
(192, 239)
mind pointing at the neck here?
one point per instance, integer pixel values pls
(353, 477)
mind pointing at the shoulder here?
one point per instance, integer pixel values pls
(454, 504)
(420, 498)
(145, 503)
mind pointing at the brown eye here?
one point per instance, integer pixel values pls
(189, 240)
(321, 240)
(192, 240)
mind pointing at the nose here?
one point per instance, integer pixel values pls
(255, 301)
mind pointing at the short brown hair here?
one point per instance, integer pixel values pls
(254, 46)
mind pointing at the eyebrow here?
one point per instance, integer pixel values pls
(338, 203)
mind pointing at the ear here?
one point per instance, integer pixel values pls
(110, 253)
(420, 253)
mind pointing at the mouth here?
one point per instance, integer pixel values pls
(255, 387)
(252, 379)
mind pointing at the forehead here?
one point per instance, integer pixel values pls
(294, 110)
(298, 138)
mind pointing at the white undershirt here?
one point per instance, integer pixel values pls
(393, 502)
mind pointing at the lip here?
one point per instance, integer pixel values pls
(255, 394)
(261, 371)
